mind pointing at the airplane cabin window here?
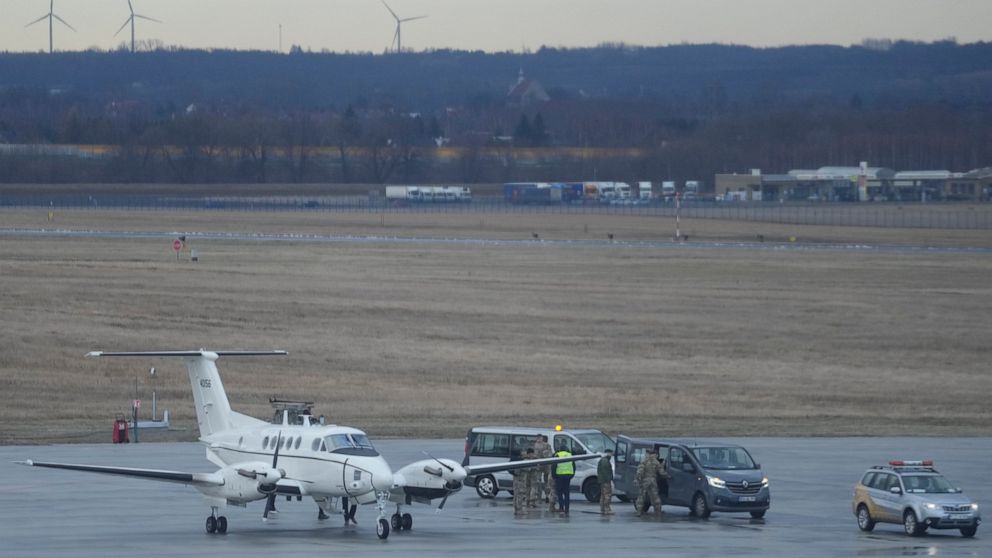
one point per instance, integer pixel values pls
(296, 445)
(265, 442)
(315, 445)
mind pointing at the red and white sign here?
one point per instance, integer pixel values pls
(177, 245)
(136, 403)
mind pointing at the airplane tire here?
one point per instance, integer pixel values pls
(394, 522)
(221, 525)
(211, 524)
(382, 529)
(406, 522)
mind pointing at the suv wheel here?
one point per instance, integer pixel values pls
(699, 507)
(912, 526)
(591, 490)
(865, 522)
(969, 531)
(758, 514)
(486, 487)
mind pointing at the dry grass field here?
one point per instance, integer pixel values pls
(429, 339)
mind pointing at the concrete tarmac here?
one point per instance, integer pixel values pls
(47, 512)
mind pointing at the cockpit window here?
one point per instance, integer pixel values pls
(350, 444)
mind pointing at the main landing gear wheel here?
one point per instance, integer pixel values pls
(486, 487)
(216, 525)
(394, 522)
(406, 522)
(382, 529)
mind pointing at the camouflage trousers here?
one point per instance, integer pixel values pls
(649, 491)
(605, 496)
(540, 492)
(521, 491)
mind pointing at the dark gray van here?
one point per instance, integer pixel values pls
(705, 477)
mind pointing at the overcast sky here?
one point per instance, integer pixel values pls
(365, 25)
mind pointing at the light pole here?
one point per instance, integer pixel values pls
(154, 412)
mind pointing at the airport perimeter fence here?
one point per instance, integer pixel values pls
(935, 215)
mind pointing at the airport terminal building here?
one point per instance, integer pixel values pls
(861, 183)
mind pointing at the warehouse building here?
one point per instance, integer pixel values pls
(862, 183)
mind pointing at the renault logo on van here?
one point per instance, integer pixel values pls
(744, 484)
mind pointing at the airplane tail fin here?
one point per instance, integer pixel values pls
(213, 410)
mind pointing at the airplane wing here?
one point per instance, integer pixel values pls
(179, 477)
(511, 465)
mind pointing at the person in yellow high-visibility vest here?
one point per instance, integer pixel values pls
(563, 473)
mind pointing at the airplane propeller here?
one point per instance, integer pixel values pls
(442, 463)
(270, 501)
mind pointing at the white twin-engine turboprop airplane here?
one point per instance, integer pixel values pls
(260, 460)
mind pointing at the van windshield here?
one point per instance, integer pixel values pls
(723, 458)
(597, 442)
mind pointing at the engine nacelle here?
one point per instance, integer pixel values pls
(431, 478)
(244, 482)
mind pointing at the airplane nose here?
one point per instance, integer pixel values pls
(382, 475)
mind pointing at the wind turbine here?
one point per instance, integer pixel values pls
(51, 17)
(130, 20)
(398, 36)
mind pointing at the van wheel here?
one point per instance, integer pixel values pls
(486, 487)
(623, 498)
(699, 507)
(758, 514)
(911, 524)
(865, 522)
(591, 490)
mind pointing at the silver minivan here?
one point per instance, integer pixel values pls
(496, 444)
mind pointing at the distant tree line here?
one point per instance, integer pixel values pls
(616, 112)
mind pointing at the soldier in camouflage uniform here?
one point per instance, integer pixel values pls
(604, 473)
(533, 480)
(648, 473)
(521, 487)
(542, 489)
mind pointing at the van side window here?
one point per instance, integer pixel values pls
(637, 456)
(678, 461)
(621, 452)
(519, 445)
(569, 444)
(491, 445)
(663, 453)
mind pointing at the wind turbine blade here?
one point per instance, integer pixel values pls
(126, 21)
(63, 22)
(412, 18)
(130, 7)
(146, 17)
(390, 9)
(42, 18)
(396, 34)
